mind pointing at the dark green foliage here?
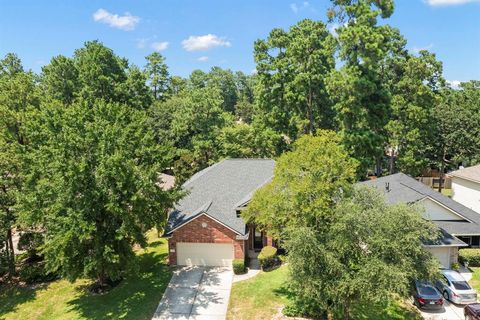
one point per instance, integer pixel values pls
(158, 76)
(35, 272)
(30, 241)
(470, 256)
(91, 183)
(239, 266)
(268, 258)
(292, 67)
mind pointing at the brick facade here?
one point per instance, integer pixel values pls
(204, 230)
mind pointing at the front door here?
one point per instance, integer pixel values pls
(258, 240)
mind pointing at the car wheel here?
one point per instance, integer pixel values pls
(445, 295)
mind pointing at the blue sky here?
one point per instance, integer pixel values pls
(195, 34)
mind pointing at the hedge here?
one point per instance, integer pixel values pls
(470, 256)
(238, 266)
(268, 257)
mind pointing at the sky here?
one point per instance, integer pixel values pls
(194, 34)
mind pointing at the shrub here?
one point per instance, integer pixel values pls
(238, 266)
(470, 256)
(268, 258)
(35, 272)
(455, 266)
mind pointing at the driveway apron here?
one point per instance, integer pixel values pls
(196, 293)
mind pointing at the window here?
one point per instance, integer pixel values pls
(475, 241)
(239, 213)
(461, 285)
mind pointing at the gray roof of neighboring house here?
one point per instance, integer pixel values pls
(471, 173)
(403, 188)
(219, 189)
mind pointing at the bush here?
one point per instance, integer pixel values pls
(35, 272)
(238, 266)
(470, 256)
(455, 266)
(268, 258)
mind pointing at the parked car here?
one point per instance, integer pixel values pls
(426, 296)
(455, 288)
(472, 311)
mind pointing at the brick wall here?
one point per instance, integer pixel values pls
(213, 232)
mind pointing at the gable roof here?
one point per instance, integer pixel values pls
(470, 173)
(403, 188)
(219, 189)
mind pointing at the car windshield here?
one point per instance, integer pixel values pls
(427, 290)
(461, 285)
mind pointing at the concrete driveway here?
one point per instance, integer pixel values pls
(450, 312)
(196, 293)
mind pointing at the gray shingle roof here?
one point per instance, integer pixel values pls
(403, 188)
(219, 189)
(471, 173)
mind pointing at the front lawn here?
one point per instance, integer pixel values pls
(135, 298)
(475, 281)
(263, 297)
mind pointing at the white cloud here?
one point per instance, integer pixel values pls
(203, 59)
(300, 6)
(418, 49)
(455, 84)
(448, 2)
(294, 7)
(126, 22)
(140, 43)
(202, 43)
(160, 46)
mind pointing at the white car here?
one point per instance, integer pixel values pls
(455, 288)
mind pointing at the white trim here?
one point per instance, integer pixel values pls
(444, 245)
(201, 214)
(444, 206)
(463, 178)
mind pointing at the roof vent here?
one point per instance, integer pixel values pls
(387, 186)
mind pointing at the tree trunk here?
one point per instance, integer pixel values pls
(392, 162)
(11, 253)
(378, 166)
(346, 310)
(442, 168)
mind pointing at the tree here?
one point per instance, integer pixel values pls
(158, 76)
(18, 94)
(416, 91)
(91, 183)
(292, 67)
(60, 79)
(191, 122)
(359, 89)
(307, 182)
(458, 134)
(371, 252)
(100, 71)
(249, 141)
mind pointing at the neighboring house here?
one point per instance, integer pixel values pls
(205, 227)
(458, 224)
(466, 188)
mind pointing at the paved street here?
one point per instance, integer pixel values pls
(450, 312)
(196, 293)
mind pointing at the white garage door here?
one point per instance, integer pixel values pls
(204, 254)
(442, 254)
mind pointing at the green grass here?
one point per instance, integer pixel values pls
(447, 192)
(262, 297)
(134, 298)
(475, 281)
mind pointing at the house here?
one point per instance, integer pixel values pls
(466, 188)
(205, 227)
(458, 224)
